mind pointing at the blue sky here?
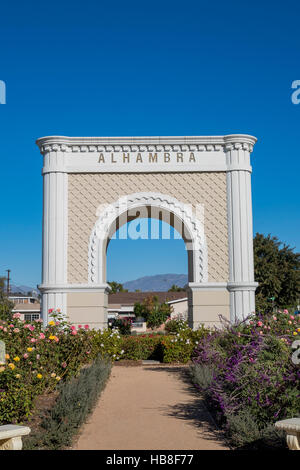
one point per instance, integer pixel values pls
(146, 68)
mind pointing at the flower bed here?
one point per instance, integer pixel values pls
(247, 375)
(38, 358)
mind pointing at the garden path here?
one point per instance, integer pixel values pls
(149, 407)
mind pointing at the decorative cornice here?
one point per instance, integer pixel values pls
(148, 144)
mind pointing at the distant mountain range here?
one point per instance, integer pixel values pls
(22, 289)
(158, 282)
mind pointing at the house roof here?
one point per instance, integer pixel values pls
(28, 307)
(130, 298)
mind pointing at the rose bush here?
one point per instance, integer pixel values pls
(38, 358)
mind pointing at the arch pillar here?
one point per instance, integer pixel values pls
(241, 285)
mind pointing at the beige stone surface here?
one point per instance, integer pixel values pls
(149, 408)
(87, 191)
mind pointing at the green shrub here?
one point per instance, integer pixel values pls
(108, 343)
(180, 347)
(175, 325)
(75, 401)
(243, 430)
(141, 347)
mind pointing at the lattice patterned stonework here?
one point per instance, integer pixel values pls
(88, 191)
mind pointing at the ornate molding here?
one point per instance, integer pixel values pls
(145, 144)
(184, 213)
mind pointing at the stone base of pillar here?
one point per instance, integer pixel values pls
(242, 300)
(208, 304)
(81, 304)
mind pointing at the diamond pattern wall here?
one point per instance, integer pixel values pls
(87, 191)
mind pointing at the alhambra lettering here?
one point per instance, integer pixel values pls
(166, 157)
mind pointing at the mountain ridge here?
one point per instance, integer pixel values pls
(157, 282)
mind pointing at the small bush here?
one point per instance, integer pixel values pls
(175, 325)
(142, 347)
(75, 401)
(243, 430)
(180, 347)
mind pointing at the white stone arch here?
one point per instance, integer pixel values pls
(195, 244)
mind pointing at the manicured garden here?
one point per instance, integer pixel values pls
(244, 371)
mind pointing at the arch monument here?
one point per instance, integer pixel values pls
(200, 185)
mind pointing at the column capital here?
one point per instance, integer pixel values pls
(239, 142)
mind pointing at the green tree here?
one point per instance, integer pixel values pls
(154, 312)
(277, 270)
(116, 287)
(175, 288)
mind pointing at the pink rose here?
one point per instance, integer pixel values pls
(16, 315)
(64, 365)
(31, 327)
(274, 318)
(42, 336)
(285, 311)
(86, 327)
(25, 355)
(79, 326)
(259, 323)
(73, 327)
(292, 318)
(16, 330)
(33, 340)
(73, 332)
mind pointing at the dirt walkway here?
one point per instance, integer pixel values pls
(149, 407)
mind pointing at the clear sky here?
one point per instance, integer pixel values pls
(146, 68)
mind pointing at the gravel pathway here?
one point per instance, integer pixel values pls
(150, 407)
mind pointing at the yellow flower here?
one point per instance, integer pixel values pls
(16, 358)
(6, 356)
(29, 349)
(39, 376)
(51, 337)
(53, 374)
(298, 329)
(11, 366)
(295, 333)
(58, 378)
(51, 323)
(2, 369)
(18, 376)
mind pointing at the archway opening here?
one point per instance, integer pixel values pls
(148, 257)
